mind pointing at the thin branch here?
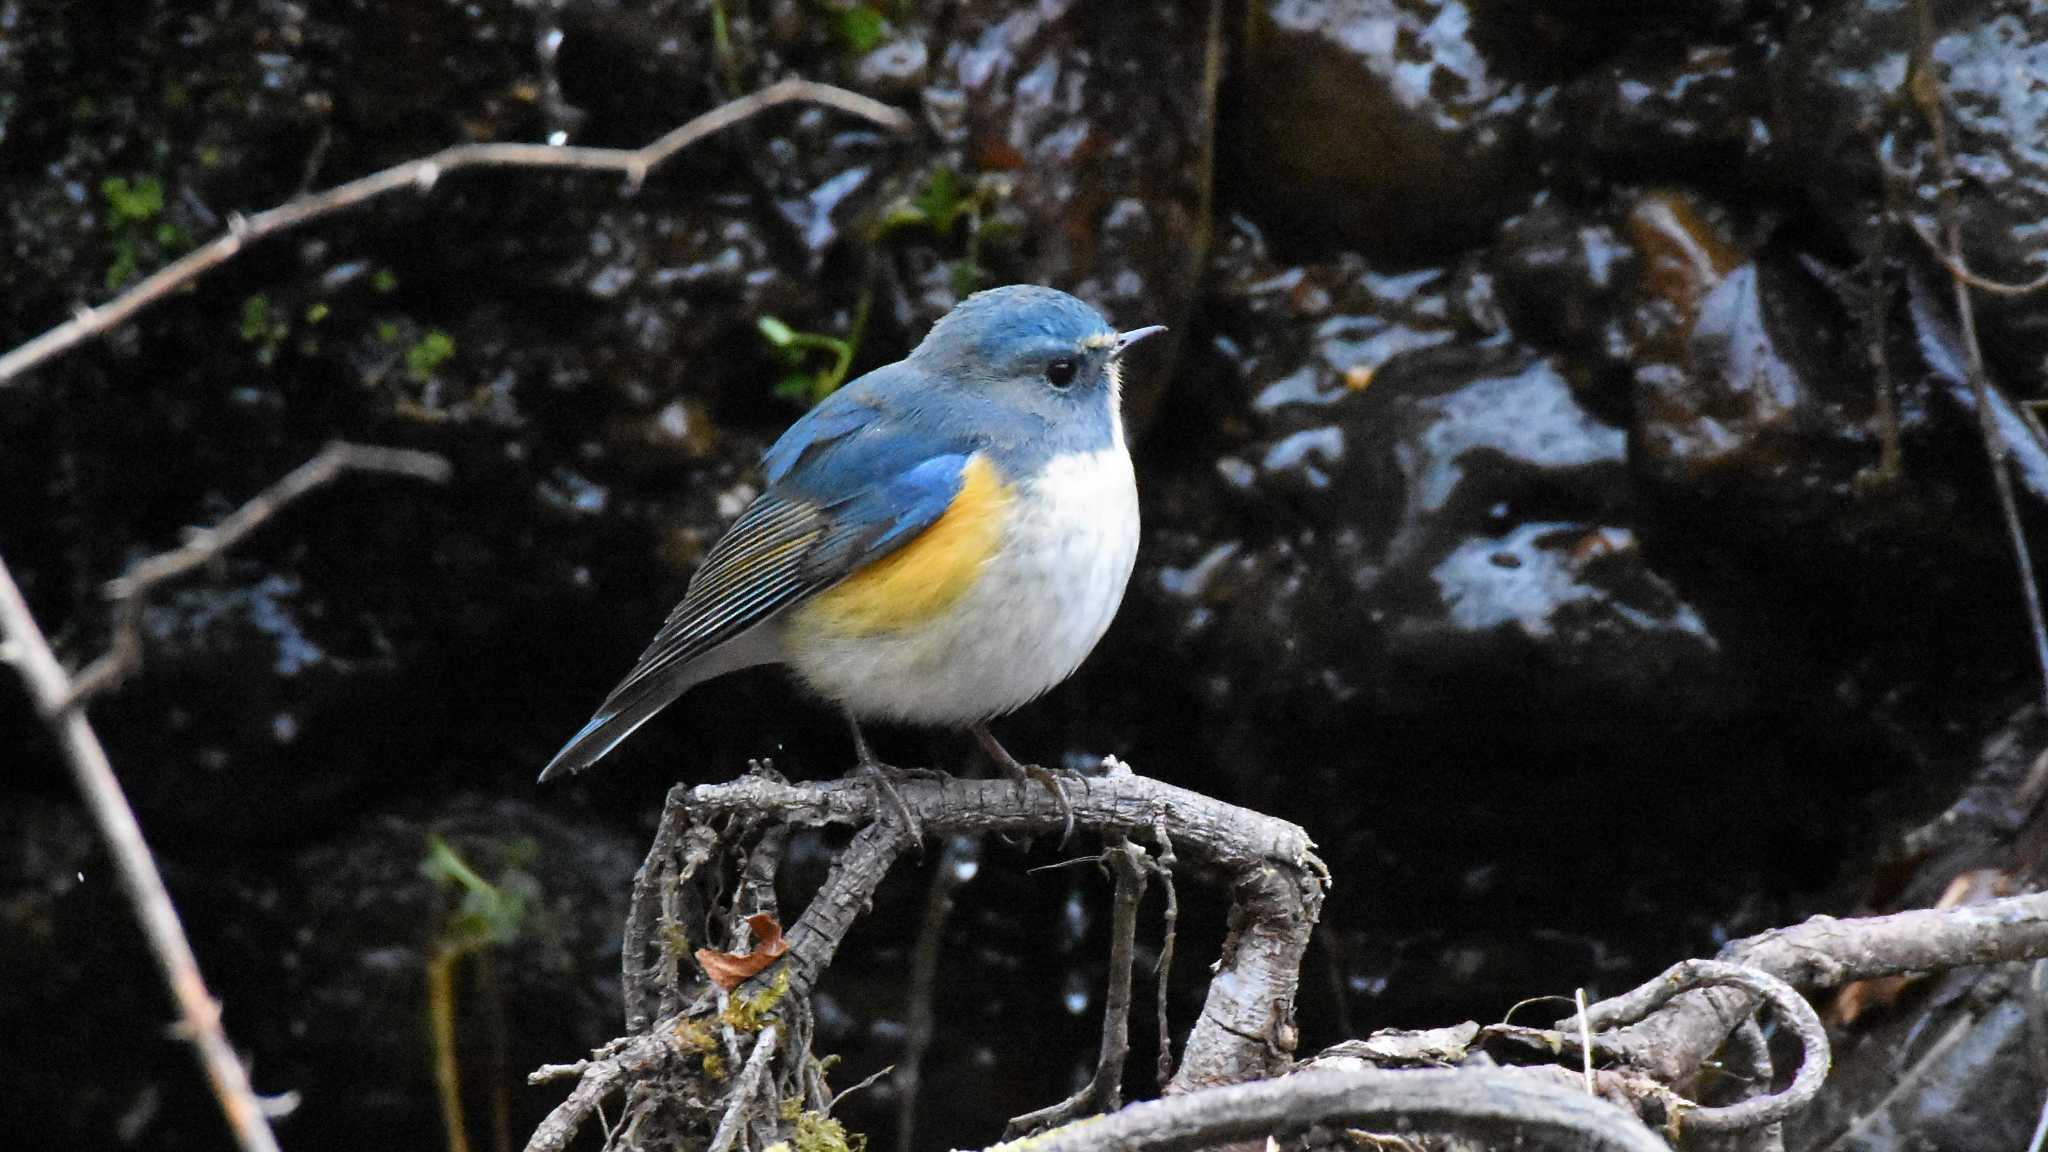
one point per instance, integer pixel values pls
(1952, 262)
(1162, 974)
(421, 175)
(618, 1065)
(1104, 1090)
(743, 1093)
(51, 690)
(1923, 86)
(1496, 1107)
(130, 591)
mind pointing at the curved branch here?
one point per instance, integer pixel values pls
(1825, 952)
(1793, 1011)
(421, 175)
(1246, 1030)
(1501, 1107)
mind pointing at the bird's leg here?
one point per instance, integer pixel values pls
(1022, 772)
(883, 776)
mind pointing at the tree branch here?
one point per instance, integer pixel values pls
(1825, 952)
(131, 589)
(26, 648)
(1499, 1107)
(1104, 1090)
(421, 175)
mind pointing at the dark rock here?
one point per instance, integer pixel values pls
(1385, 123)
(1421, 514)
(1947, 1060)
(1094, 117)
(1670, 111)
(1842, 99)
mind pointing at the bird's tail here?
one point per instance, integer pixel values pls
(636, 701)
(612, 724)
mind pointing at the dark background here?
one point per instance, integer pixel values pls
(1514, 512)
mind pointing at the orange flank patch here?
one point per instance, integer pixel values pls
(924, 577)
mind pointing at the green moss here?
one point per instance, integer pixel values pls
(817, 1132)
(427, 354)
(860, 28)
(263, 328)
(747, 1014)
(134, 202)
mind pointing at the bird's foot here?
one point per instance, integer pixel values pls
(885, 777)
(1023, 774)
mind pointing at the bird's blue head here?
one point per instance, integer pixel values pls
(1033, 350)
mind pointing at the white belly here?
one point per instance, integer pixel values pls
(1038, 609)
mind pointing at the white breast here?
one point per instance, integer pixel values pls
(1040, 606)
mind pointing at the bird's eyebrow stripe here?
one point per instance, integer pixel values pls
(1097, 340)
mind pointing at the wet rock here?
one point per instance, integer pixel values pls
(1386, 123)
(1665, 110)
(1843, 98)
(1736, 395)
(1565, 277)
(1421, 512)
(1948, 1060)
(1094, 119)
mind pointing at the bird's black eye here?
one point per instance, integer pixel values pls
(1060, 373)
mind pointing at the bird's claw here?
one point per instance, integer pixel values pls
(1024, 773)
(884, 777)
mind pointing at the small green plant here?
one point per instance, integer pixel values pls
(262, 327)
(427, 354)
(940, 205)
(860, 28)
(485, 916)
(803, 380)
(137, 202)
(134, 219)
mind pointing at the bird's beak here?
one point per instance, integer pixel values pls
(1124, 340)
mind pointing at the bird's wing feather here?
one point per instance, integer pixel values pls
(847, 487)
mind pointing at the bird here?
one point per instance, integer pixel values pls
(937, 543)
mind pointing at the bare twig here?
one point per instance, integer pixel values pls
(618, 1065)
(742, 1099)
(421, 175)
(1104, 1090)
(1162, 973)
(1952, 262)
(1749, 1055)
(51, 690)
(131, 589)
(1926, 92)
(1497, 1107)
(1247, 1025)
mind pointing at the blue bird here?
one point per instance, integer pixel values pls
(938, 543)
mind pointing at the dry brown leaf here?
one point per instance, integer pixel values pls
(729, 970)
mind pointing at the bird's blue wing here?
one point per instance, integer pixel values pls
(847, 485)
